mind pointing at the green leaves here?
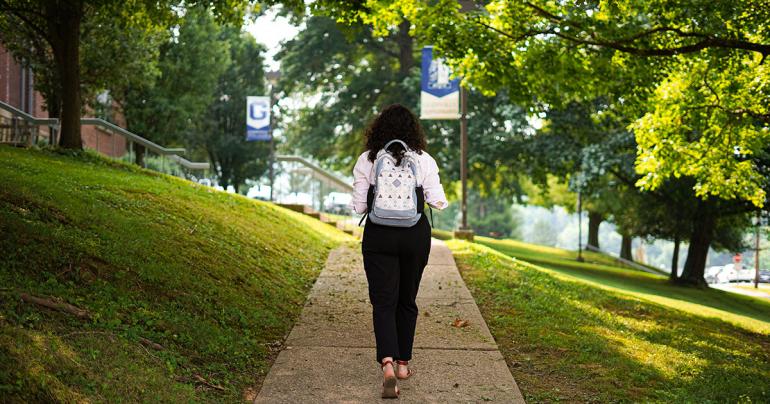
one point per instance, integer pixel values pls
(690, 75)
(704, 121)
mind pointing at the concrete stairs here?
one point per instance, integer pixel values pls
(307, 210)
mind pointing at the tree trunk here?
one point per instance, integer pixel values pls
(704, 224)
(625, 248)
(675, 260)
(53, 106)
(594, 220)
(64, 19)
(405, 49)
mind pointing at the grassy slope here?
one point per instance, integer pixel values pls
(742, 310)
(551, 255)
(570, 336)
(216, 279)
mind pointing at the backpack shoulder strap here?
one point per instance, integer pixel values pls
(396, 141)
(369, 203)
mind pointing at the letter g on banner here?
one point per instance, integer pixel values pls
(258, 118)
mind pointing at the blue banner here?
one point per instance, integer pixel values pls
(440, 95)
(258, 119)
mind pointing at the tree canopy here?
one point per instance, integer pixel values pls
(692, 74)
(650, 95)
(53, 36)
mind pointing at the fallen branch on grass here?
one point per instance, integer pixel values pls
(206, 383)
(56, 304)
(154, 345)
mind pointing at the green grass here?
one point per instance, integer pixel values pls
(746, 311)
(567, 336)
(216, 279)
(552, 255)
(442, 234)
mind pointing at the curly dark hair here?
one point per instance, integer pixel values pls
(394, 122)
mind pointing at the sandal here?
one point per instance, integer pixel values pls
(409, 371)
(389, 388)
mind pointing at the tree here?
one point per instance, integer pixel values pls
(168, 109)
(55, 29)
(552, 53)
(711, 73)
(222, 132)
(492, 215)
(353, 74)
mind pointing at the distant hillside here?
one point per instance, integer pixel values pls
(173, 291)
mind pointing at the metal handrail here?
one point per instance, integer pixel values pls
(320, 171)
(172, 152)
(622, 260)
(192, 165)
(166, 151)
(27, 117)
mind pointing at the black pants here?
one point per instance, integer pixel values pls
(394, 260)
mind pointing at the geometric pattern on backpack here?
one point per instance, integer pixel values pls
(395, 188)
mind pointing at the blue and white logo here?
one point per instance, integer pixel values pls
(438, 75)
(258, 118)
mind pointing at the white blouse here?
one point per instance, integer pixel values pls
(363, 176)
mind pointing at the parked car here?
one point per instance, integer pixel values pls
(745, 275)
(740, 274)
(764, 275)
(337, 202)
(715, 274)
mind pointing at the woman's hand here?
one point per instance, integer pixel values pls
(440, 205)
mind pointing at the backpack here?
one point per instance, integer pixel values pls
(395, 198)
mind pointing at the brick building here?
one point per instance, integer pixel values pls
(17, 90)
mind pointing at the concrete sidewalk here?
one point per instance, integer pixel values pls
(760, 293)
(329, 354)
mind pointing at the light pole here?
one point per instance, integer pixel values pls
(272, 79)
(579, 181)
(757, 225)
(464, 232)
(464, 156)
(580, 225)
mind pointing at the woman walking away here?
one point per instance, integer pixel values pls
(393, 179)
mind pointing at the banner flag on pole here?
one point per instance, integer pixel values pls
(257, 118)
(440, 96)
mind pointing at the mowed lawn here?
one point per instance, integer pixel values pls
(189, 291)
(749, 312)
(597, 333)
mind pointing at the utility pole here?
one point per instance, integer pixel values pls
(464, 155)
(272, 78)
(756, 249)
(272, 163)
(464, 232)
(580, 225)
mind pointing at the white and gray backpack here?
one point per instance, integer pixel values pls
(395, 198)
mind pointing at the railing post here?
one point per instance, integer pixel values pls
(14, 129)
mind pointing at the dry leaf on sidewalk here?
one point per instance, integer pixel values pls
(459, 323)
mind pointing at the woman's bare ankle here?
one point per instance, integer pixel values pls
(390, 368)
